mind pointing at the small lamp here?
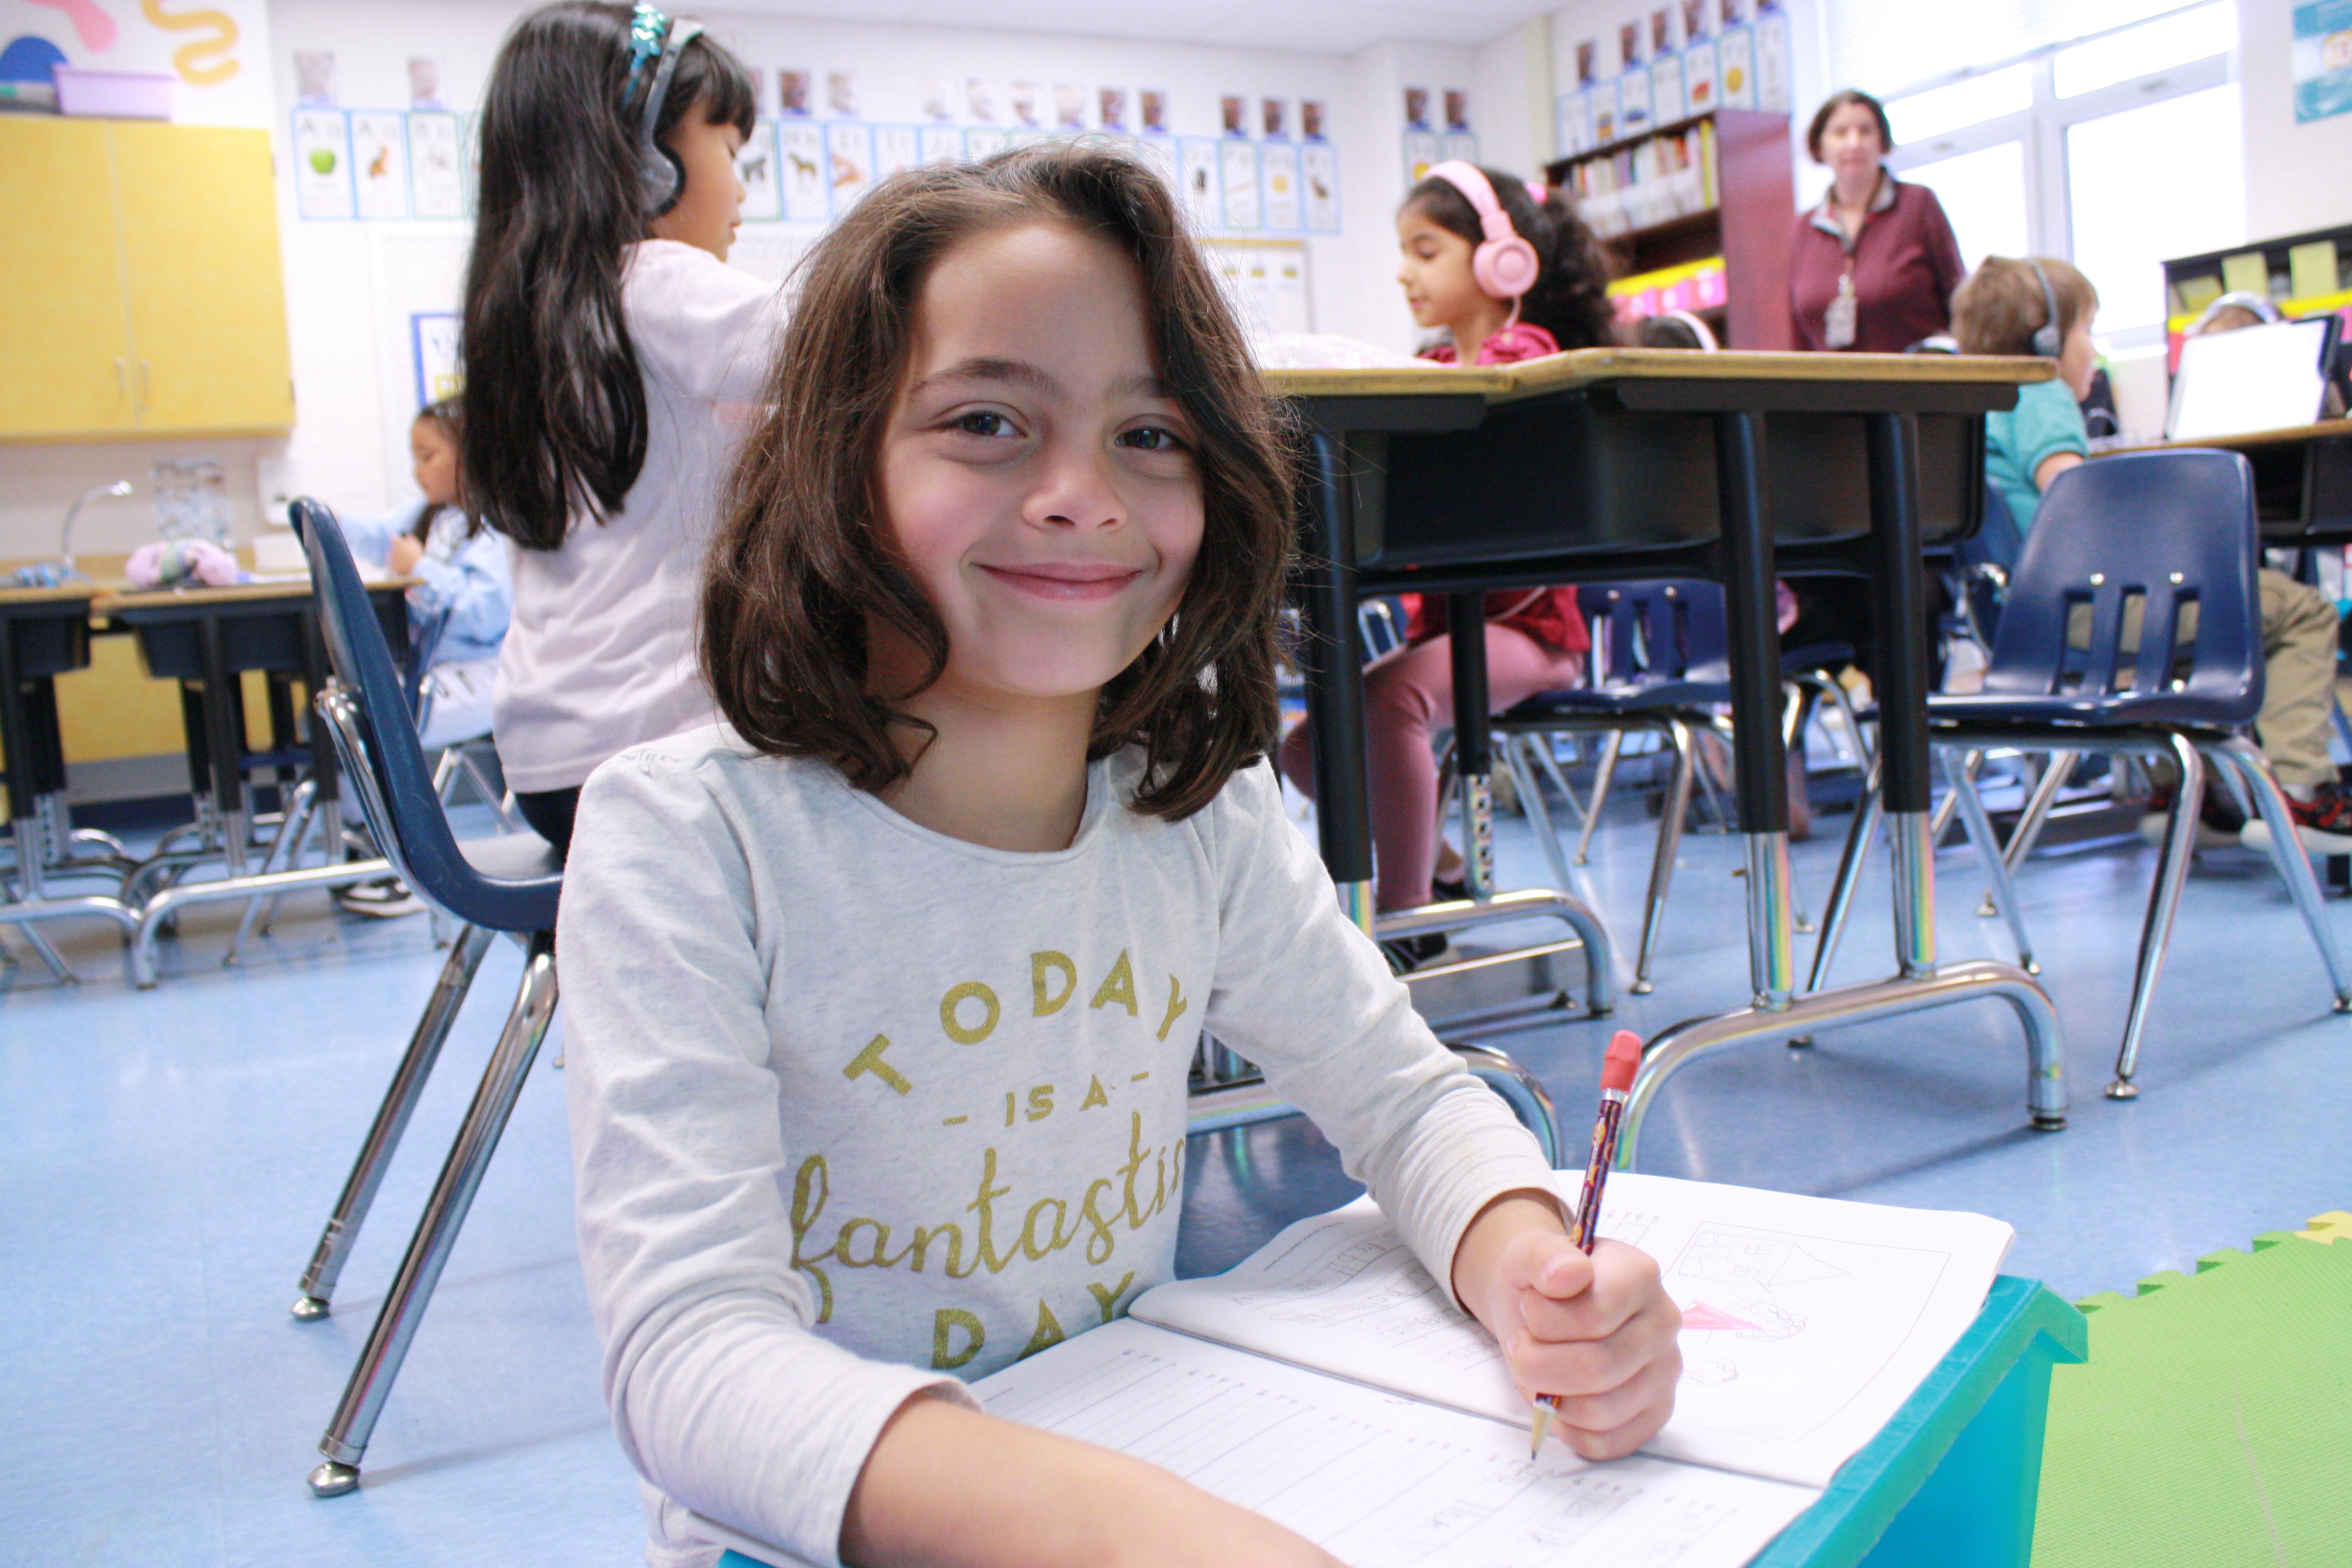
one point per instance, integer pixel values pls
(65, 534)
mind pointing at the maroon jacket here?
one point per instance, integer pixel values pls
(1906, 265)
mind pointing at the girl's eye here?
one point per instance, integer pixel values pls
(1151, 438)
(984, 422)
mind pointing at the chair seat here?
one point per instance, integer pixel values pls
(1610, 701)
(514, 882)
(2196, 709)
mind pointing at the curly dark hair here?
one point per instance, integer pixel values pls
(805, 563)
(1570, 297)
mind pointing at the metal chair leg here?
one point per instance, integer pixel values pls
(1529, 788)
(2163, 904)
(1540, 746)
(1669, 838)
(2028, 831)
(1600, 797)
(346, 1438)
(1520, 1090)
(400, 1098)
(285, 850)
(2288, 854)
(1962, 776)
(1849, 872)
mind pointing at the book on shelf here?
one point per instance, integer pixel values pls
(1652, 181)
(1330, 1383)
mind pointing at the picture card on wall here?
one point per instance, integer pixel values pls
(322, 164)
(1573, 121)
(1280, 161)
(432, 355)
(1458, 109)
(436, 184)
(1421, 156)
(800, 171)
(755, 165)
(1667, 101)
(982, 141)
(1604, 112)
(1634, 113)
(980, 99)
(1274, 117)
(1697, 23)
(840, 95)
(1238, 166)
(1734, 71)
(1028, 101)
(1416, 109)
(1069, 106)
(1774, 87)
(1662, 32)
(942, 144)
(897, 149)
(1318, 176)
(424, 82)
(1462, 146)
(848, 161)
(1629, 47)
(939, 100)
(380, 161)
(1233, 114)
(795, 93)
(1312, 118)
(1203, 202)
(1112, 107)
(1588, 62)
(1152, 104)
(1698, 76)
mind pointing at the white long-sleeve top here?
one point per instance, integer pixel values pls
(859, 1110)
(601, 654)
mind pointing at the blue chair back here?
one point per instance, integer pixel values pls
(1649, 633)
(421, 644)
(516, 890)
(2166, 530)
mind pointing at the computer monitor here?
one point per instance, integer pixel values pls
(2269, 377)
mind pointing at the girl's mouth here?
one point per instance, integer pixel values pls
(1067, 581)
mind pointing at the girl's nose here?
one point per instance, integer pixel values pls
(1076, 490)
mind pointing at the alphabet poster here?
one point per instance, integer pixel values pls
(1239, 168)
(436, 178)
(380, 162)
(322, 164)
(801, 146)
(755, 165)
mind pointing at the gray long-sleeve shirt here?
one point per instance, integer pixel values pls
(859, 1110)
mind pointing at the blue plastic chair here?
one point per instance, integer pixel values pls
(1660, 659)
(2169, 530)
(508, 883)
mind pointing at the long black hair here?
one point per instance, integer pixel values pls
(444, 416)
(1570, 297)
(554, 408)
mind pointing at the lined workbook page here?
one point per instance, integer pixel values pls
(1806, 1321)
(1376, 1481)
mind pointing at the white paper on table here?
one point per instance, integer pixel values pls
(1807, 1321)
(1380, 1481)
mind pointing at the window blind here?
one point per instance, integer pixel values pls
(1884, 45)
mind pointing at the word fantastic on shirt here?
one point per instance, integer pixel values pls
(969, 1013)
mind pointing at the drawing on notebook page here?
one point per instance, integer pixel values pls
(1751, 1301)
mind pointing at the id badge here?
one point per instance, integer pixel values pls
(1837, 321)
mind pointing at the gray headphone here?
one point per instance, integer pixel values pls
(661, 178)
(2047, 339)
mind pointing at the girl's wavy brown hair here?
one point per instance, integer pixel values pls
(805, 558)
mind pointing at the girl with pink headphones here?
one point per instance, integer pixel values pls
(1507, 271)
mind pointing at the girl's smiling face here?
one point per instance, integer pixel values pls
(1435, 273)
(1037, 479)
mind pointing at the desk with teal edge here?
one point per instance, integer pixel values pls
(1953, 1478)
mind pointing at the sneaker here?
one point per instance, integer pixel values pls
(2324, 823)
(383, 898)
(1407, 954)
(2219, 825)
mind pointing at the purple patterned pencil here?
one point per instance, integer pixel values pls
(1617, 1072)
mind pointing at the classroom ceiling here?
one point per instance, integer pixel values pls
(1325, 27)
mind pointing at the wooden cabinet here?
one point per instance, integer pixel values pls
(141, 289)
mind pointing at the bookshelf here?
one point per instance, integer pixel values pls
(1696, 213)
(2301, 274)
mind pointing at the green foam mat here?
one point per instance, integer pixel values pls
(2212, 1423)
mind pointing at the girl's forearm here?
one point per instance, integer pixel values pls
(947, 1487)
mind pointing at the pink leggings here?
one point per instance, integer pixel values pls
(1405, 699)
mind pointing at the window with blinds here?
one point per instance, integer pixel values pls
(1881, 47)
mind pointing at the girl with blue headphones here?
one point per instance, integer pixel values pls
(605, 340)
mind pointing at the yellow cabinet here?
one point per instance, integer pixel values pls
(140, 290)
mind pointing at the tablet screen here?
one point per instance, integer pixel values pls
(2257, 378)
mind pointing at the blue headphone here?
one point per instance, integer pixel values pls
(2047, 339)
(652, 37)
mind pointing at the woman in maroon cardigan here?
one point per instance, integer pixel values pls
(1873, 267)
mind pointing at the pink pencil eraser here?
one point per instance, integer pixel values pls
(1624, 1059)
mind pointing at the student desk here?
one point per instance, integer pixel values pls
(2303, 480)
(1609, 464)
(206, 639)
(44, 633)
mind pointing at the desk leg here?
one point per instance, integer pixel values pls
(1334, 684)
(223, 709)
(1474, 762)
(1760, 760)
(1898, 591)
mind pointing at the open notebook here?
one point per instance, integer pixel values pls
(1328, 1383)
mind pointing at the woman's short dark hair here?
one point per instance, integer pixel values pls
(1570, 297)
(805, 560)
(1838, 101)
(555, 407)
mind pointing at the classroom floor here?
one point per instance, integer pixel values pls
(167, 1157)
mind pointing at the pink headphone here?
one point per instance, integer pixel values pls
(1504, 267)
